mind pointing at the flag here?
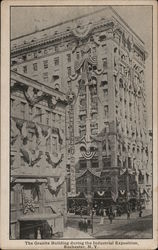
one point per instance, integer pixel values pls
(88, 155)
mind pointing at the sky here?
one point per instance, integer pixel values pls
(26, 19)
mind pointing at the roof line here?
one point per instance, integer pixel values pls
(85, 15)
(122, 20)
(67, 21)
(57, 91)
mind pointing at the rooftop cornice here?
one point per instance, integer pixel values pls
(60, 36)
(38, 85)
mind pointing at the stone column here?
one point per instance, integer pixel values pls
(42, 198)
(17, 207)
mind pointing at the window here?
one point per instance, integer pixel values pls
(45, 64)
(95, 164)
(106, 127)
(94, 116)
(59, 119)
(94, 131)
(141, 178)
(83, 164)
(68, 168)
(69, 71)
(35, 54)
(45, 51)
(106, 110)
(48, 145)
(23, 110)
(53, 117)
(35, 66)
(45, 77)
(105, 92)
(69, 57)
(56, 61)
(104, 63)
(82, 133)
(25, 69)
(77, 55)
(47, 117)
(56, 48)
(94, 50)
(38, 114)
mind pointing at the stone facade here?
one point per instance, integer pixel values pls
(99, 62)
(37, 185)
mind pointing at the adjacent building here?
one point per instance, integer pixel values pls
(37, 153)
(98, 61)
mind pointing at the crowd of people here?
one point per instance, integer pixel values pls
(110, 212)
(83, 224)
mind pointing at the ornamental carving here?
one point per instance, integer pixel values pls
(55, 186)
(35, 150)
(34, 96)
(82, 30)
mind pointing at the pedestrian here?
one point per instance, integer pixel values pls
(128, 214)
(38, 233)
(80, 224)
(111, 217)
(85, 225)
(140, 213)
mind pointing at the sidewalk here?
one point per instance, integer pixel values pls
(75, 233)
(133, 215)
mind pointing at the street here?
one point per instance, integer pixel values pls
(121, 227)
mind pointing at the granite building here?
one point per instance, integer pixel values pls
(98, 61)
